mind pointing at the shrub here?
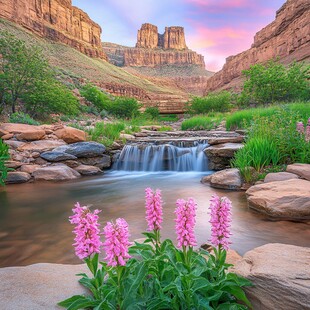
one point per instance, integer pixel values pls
(95, 96)
(123, 107)
(4, 156)
(201, 122)
(157, 274)
(106, 133)
(274, 82)
(22, 118)
(214, 102)
(152, 112)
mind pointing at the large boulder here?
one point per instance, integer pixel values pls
(41, 145)
(280, 176)
(31, 135)
(83, 149)
(39, 286)
(55, 173)
(280, 274)
(70, 134)
(226, 179)
(302, 170)
(289, 199)
(219, 155)
(57, 156)
(17, 177)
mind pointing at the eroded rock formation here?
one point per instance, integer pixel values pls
(57, 20)
(287, 37)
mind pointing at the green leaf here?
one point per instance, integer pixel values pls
(67, 302)
(77, 302)
(238, 293)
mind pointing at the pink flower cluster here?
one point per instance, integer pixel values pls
(301, 129)
(220, 211)
(87, 233)
(154, 209)
(116, 243)
(185, 222)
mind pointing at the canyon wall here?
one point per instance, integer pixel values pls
(57, 20)
(286, 38)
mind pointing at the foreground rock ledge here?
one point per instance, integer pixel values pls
(280, 274)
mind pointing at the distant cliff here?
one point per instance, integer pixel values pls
(57, 20)
(287, 37)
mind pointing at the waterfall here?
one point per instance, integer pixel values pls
(178, 156)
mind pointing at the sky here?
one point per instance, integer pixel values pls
(214, 28)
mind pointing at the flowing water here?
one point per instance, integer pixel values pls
(34, 223)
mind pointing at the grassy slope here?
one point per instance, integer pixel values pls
(77, 65)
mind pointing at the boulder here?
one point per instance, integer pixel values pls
(14, 144)
(17, 177)
(302, 170)
(219, 155)
(17, 128)
(83, 149)
(88, 170)
(39, 286)
(127, 136)
(289, 199)
(13, 164)
(280, 274)
(29, 168)
(31, 135)
(206, 179)
(55, 173)
(71, 135)
(57, 156)
(41, 145)
(99, 161)
(279, 176)
(227, 179)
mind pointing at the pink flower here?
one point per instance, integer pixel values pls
(307, 135)
(116, 243)
(154, 209)
(185, 222)
(87, 233)
(220, 221)
(300, 127)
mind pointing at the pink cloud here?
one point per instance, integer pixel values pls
(221, 4)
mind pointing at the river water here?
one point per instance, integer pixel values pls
(34, 223)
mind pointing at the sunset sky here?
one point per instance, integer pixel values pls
(214, 28)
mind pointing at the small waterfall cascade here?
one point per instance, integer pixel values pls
(176, 156)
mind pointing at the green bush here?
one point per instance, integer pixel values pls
(214, 102)
(22, 118)
(123, 107)
(106, 133)
(4, 156)
(202, 122)
(95, 96)
(152, 112)
(274, 82)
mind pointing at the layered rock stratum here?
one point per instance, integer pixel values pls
(286, 38)
(57, 20)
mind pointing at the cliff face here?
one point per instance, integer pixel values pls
(287, 37)
(57, 20)
(154, 49)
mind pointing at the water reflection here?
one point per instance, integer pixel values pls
(34, 223)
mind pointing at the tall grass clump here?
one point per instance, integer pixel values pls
(213, 102)
(4, 156)
(107, 133)
(244, 118)
(202, 122)
(273, 141)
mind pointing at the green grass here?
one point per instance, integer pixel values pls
(244, 118)
(202, 122)
(168, 118)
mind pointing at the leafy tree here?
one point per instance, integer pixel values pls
(25, 75)
(274, 82)
(123, 107)
(94, 95)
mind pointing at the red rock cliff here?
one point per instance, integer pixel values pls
(287, 37)
(57, 20)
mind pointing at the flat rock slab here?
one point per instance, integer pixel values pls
(55, 173)
(57, 156)
(280, 274)
(214, 141)
(39, 286)
(302, 170)
(289, 199)
(83, 149)
(280, 176)
(31, 135)
(88, 170)
(101, 162)
(41, 145)
(223, 150)
(17, 177)
(18, 128)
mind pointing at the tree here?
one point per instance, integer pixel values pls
(274, 82)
